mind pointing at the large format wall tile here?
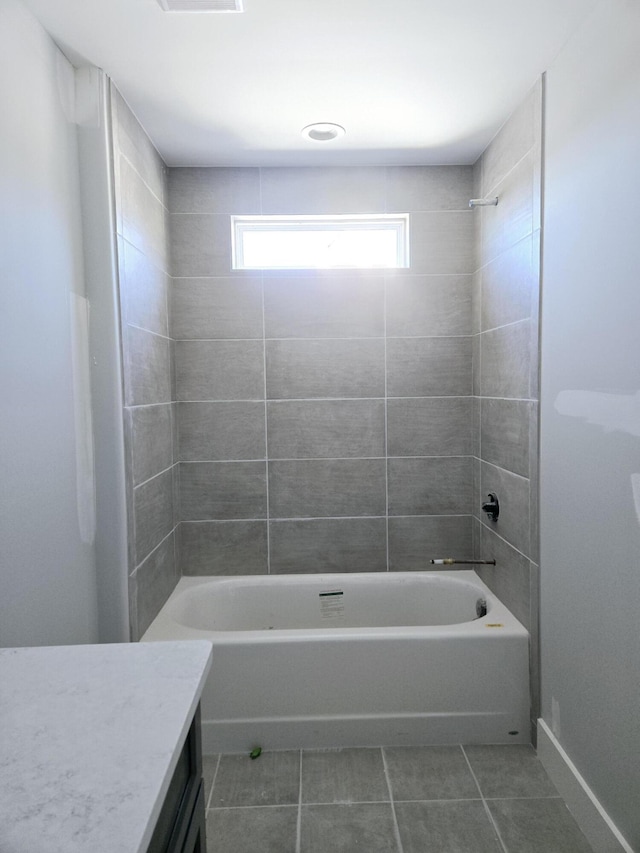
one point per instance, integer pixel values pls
(323, 191)
(331, 429)
(219, 370)
(216, 431)
(144, 290)
(222, 490)
(216, 308)
(433, 486)
(442, 242)
(336, 487)
(193, 190)
(134, 144)
(153, 512)
(223, 547)
(419, 188)
(517, 136)
(147, 368)
(200, 244)
(505, 361)
(512, 219)
(299, 369)
(504, 434)
(513, 522)
(324, 306)
(414, 541)
(151, 440)
(328, 545)
(509, 578)
(428, 305)
(155, 580)
(436, 426)
(143, 216)
(508, 285)
(429, 367)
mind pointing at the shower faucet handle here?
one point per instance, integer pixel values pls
(492, 506)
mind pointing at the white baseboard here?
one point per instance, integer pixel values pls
(600, 831)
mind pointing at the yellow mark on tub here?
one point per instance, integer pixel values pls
(494, 625)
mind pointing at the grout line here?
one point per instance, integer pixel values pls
(266, 421)
(396, 828)
(166, 337)
(213, 783)
(386, 426)
(338, 459)
(279, 520)
(484, 802)
(299, 821)
(504, 326)
(154, 476)
(320, 339)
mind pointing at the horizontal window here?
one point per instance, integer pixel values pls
(320, 242)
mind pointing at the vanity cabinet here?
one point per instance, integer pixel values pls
(181, 824)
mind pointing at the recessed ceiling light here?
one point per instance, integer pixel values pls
(323, 131)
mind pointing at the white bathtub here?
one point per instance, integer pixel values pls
(303, 661)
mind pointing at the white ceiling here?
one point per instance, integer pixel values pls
(413, 81)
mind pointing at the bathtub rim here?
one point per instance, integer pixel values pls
(499, 622)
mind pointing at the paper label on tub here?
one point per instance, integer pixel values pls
(332, 604)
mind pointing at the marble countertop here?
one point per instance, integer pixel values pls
(89, 739)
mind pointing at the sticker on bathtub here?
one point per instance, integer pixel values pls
(332, 604)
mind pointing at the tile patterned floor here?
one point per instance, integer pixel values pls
(437, 799)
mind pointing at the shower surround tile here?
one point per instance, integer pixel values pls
(429, 367)
(219, 370)
(324, 305)
(216, 308)
(329, 429)
(415, 540)
(325, 368)
(415, 188)
(433, 486)
(222, 490)
(428, 305)
(327, 488)
(221, 431)
(328, 545)
(423, 426)
(228, 190)
(223, 547)
(323, 190)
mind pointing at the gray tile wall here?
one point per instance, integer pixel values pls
(324, 419)
(506, 295)
(149, 415)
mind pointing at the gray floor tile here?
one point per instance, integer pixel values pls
(537, 826)
(509, 771)
(209, 768)
(252, 830)
(271, 780)
(347, 828)
(429, 773)
(446, 827)
(343, 776)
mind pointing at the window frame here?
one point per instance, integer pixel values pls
(396, 222)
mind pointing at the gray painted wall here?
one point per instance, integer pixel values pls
(590, 415)
(506, 299)
(47, 569)
(324, 419)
